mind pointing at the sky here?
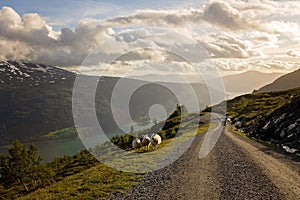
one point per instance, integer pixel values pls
(262, 35)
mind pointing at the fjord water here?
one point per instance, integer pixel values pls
(51, 150)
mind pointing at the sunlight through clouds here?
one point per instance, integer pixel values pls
(227, 30)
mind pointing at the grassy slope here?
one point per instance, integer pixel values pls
(96, 182)
(48, 108)
(252, 107)
(99, 181)
(267, 116)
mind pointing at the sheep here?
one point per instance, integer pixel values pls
(155, 140)
(136, 144)
(146, 142)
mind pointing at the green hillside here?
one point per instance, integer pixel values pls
(81, 176)
(273, 117)
(36, 100)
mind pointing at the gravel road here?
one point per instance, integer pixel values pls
(237, 168)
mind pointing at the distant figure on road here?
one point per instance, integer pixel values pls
(224, 122)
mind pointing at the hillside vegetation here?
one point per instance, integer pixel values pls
(81, 176)
(273, 117)
(38, 98)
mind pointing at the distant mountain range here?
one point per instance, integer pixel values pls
(246, 82)
(37, 99)
(285, 82)
(236, 84)
(271, 113)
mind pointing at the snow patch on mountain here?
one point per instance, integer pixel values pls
(14, 73)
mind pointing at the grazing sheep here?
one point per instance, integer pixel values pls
(155, 140)
(146, 142)
(136, 144)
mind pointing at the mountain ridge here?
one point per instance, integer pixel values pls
(246, 82)
(36, 99)
(285, 82)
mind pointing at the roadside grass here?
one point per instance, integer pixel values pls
(100, 180)
(10, 193)
(244, 135)
(143, 161)
(267, 144)
(94, 183)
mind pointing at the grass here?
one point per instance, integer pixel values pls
(251, 108)
(99, 180)
(66, 133)
(144, 161)
(95, 183)
(244, 135)
(267, 144)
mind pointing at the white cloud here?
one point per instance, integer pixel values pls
(180, 17)
(225, 46)
(222, 14)
(293, 53)
(30, 37)
(262, 65)
(226, 29)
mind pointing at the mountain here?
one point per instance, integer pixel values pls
(36, 99)
(175, 78)
(272, 117)
(236, 84)
(246, 82)
(285, 82)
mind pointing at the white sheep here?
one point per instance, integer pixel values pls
(146, 142)
(136, 144)
(155, 140)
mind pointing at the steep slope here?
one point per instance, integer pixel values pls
(273, 117)
(34, 99)
(285, 82)
(37, 99)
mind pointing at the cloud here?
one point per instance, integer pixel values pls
(180, 17)
(222, 46)
(222, 14)
(30, 28)
(225, 29)
(262, 65)
(293, 53)
(30, 37)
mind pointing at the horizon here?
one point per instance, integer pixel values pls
(139, 99)
(238, 36)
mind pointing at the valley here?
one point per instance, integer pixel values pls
(262, 128)
(150, 100)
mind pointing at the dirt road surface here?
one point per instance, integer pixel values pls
(236, 168)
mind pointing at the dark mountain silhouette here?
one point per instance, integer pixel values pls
(285, 82)
(37, 99)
